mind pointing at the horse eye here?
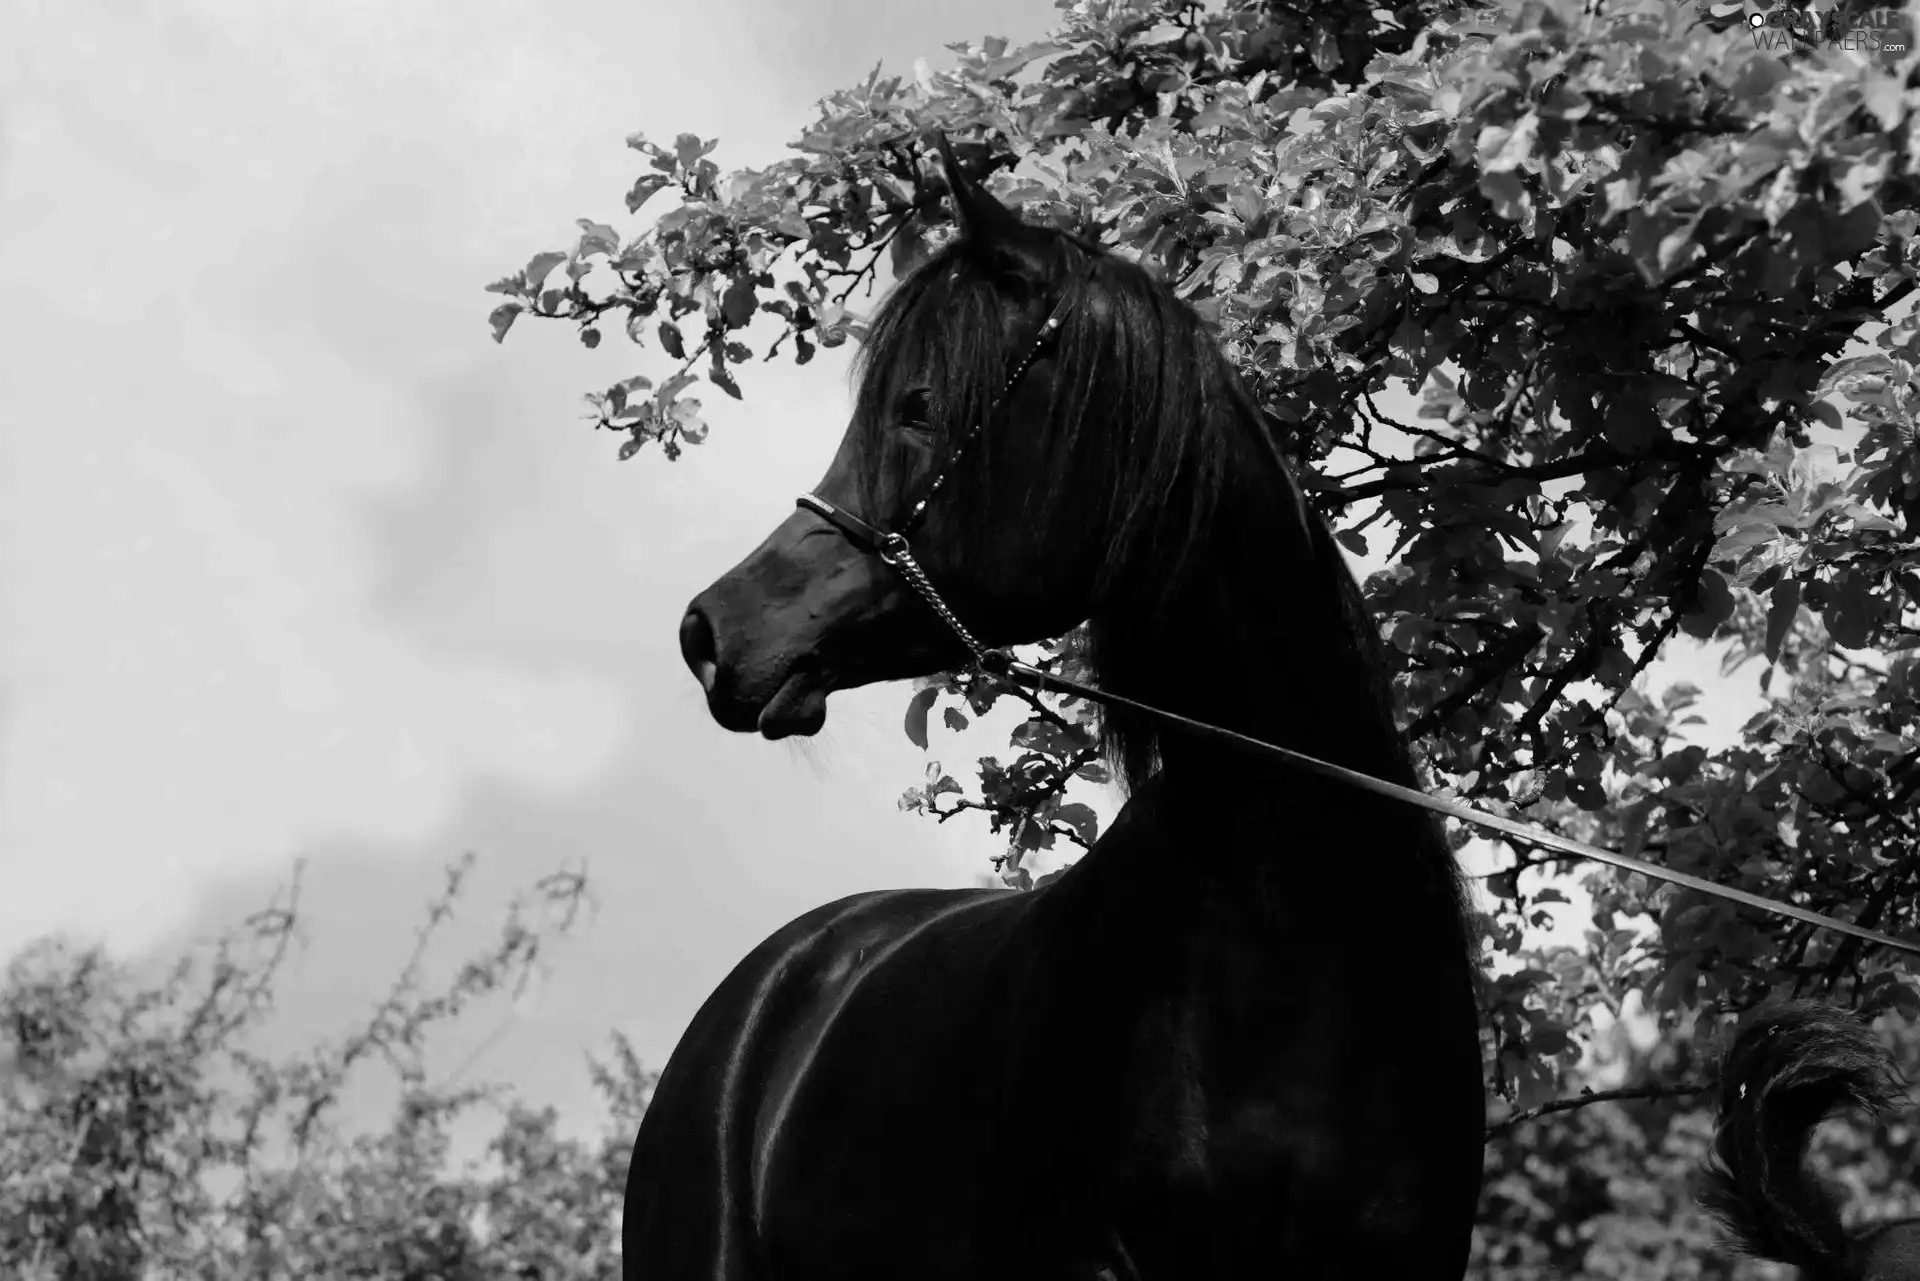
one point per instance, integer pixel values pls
(916, 407)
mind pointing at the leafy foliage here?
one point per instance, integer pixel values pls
(143, 1137)
(1648, 269)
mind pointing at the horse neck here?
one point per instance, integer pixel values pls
(1254, 637)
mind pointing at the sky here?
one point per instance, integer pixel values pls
(296, 564)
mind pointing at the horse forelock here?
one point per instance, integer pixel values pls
(1143, 406)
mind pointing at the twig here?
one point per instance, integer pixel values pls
(1594, 1096)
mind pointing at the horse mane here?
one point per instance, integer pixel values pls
(1147, 409)
(1145, 406)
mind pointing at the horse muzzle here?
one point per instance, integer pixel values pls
(776, 695)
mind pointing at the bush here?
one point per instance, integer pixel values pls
(143, 1138)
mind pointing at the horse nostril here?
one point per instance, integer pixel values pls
(697, 647)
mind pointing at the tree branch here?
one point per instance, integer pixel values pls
(1595, 1096)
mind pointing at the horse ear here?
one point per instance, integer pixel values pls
(979, 216)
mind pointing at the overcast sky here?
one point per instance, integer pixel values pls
(295, 562)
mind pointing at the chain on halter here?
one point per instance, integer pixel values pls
(895, 552)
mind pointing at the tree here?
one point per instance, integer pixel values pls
(1648, 265)
(142, 1136)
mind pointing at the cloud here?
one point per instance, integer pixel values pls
(291, 558)
(195, 429)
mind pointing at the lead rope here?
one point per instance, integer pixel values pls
(1000, 663)
(893, 550)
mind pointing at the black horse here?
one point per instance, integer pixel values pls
(1789, 1068)
(1238, 1039)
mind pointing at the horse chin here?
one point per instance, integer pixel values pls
(798, 707)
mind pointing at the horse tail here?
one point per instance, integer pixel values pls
(1790, 1067)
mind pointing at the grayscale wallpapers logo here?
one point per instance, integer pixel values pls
(1777, 24)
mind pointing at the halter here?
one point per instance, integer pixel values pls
(893, 550)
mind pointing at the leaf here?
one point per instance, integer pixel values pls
(1633, 427)
(686, 415)
(1467, 240)
(1503, 150)
(670, 390)
(688, 148)
(590, 338)
(1782, 608)
(1883, 97)
(1353, 540)
(502, 317)
(739, 303)
(917, 710)
(893, 194)
(643, 190)
(1712, 608)
(1081, 818)
(1849, 616)
(597, 238)
(1029, 835)
(1095, 772)
(620, 391)
(1676, 247)
(1858, 180)
(832, 325)
(1325, 50)
(1548, 1039)
(1247, 203)
(1853, 369)
(1040, 735)
(1508, 195)
(954, 718)
(539, 268)
(1586, 793)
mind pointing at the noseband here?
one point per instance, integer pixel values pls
(892, 549)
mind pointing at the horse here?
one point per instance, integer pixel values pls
(1789, 1068)
(1239, 1037)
